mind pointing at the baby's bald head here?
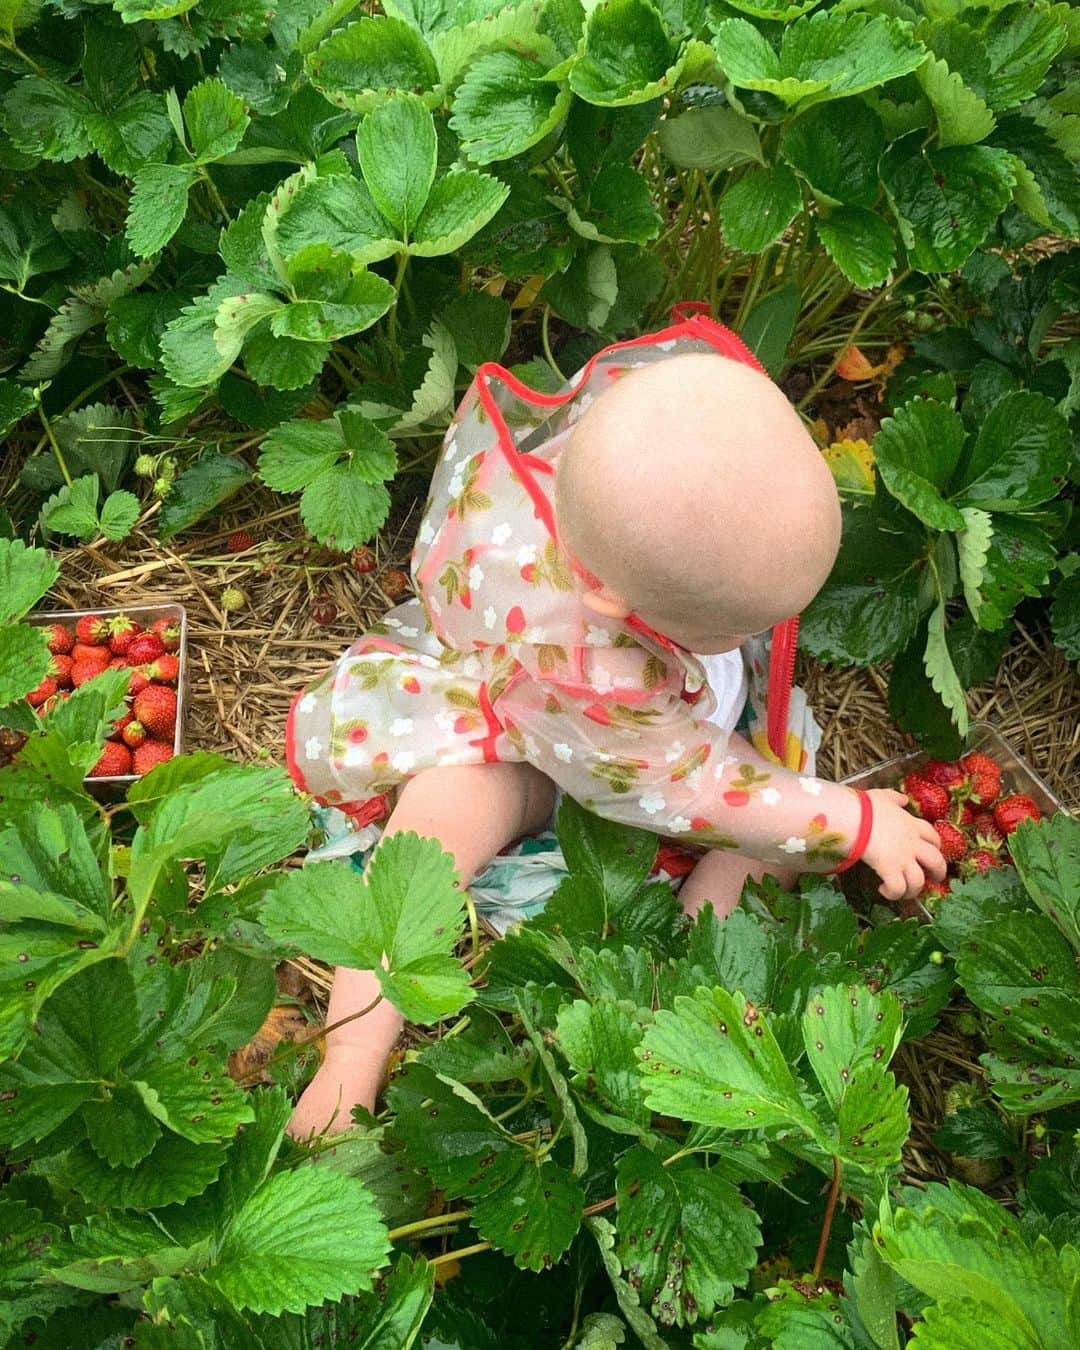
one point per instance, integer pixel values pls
(692, 491)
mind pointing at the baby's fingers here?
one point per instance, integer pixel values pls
(931, 861)
(893, 886)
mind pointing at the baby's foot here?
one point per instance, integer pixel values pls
(326, 1104)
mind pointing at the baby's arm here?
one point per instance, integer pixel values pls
(474, 812)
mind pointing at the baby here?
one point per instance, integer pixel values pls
(605, 579)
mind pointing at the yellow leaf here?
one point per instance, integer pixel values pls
(852, 465)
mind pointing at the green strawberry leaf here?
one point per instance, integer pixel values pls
(822, 56)
(836, 148)
(599, 1040)
(432, 398)
(1022, 453)
(296, 453)
(1019, 559)
(110, 1254)
(715, 1061)
(972, 547)
(941, 672)
(479, 325)
(159, 201)
(461, 1148)
(48, 120)
(199, 490)
(29, 245)
(962, 117)
(119, 512)
(860, 243)
(532, 1210)
(359, 66)
(406, 909)
(259, 76)
(216, 120)
(137, 132)
(770, 326)
(709, 138)
(459, 206)
(916, 452)
(628, 56)
(945, 200)
(342, 510)
(73, 509)
(637, 1319)
(1047, 856)
(396, 146)
(1065, 616)
(173, 1171)
(1021, 45)
(283, 362)
(364, 299)
(504, 105)
(15, 401)
(192, 1103)
(135, 325)
(620, 209)
(120, 1129)
(685, 1233)
(303, 1237)
(338, 211)
(757, 209)
(24, 661)
(25, 575)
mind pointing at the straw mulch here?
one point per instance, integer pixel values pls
(246, 666)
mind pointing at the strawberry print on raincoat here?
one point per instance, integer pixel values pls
(499, 660)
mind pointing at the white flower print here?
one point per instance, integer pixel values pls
(476, 577)
(531, 748)
(401, 726)
(562, 752)
(403, 762)
(793, 844)
(525, 554)
(427, 532)
(812, 786)
(472, 665)
(455, 487)
(651, 802)
(675, 751)
(444, 720)
(307, 703)
(601, 679)
(354, 755)
(501, 533)
(313, 747)
(409, 632)
(678, 825)
(537, 635)
(693, 779)
(597, 637)
(490, 617)
(665, 346)
(392, 623)
(769, 797)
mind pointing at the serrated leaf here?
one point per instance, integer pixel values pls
(479, 325)
(916, 452)
(461, 1148)
(24, 661)
(460, 204)
(836, 148)
(47, 119)
(1065, 617)
(283, 362)
(478, 26)
(1046, 176)
(972, 545)
(15, 404)
(73, 509)
(715, 1061)
(173, 1171)
(435, 393)
(1021, 45)
(941, 672)
(191, 1102)
(845, 1031)
(599, 1040)
(685, 1233)
(159, 199)
(860, 243)
(83, 310)
(962, 117)
(639, 1321)
(25, 575)
(822, 56)
(1019, 560)
(709, 138)
(397, 150)
(135, 324)
(770, 326)
(1047, 856)
(757, 209)
(504, 105)
(628, 56)
(137, 132)
(120, 1129)
(114, 1253)
(29, 244)
(338, 211)
(296, 453)
(406, 909)
(119, 512)
(360, 65)
(946, 200)
(369, 297)
(200, 489)
(532, 1210)
(343, 511)
(1020, 457)
(620, 208)
(215, 119)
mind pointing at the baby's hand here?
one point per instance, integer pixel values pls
(903, 850)
(325, 1106)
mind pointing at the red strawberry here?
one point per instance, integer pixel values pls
(980, 860)
(926, 799)
(951, 839)
(985, 785)
(363, 560)
(84, 671)
(60, 669)
(168, 631)
(410, 684)
(115, 760)
(61, 639)
(736, 797)
(164, 670)
(146, 647)
(935, 890)
(515, 620)
(977, 762)
(46, 689)
(394, 584)
(155, 708)
(118, 663)
(596, 712)
(967, 815)
(1010, 811)
(122, 633)
(357, 735)
(138, 682)
(943, 772)
(96, 656)
(699, 824)
(133, 734)
(463, 724)
(323, 609)
(92, 629)
(240, 541)
(150, 753)
(119, 726)
(528, 573)
(985, 829)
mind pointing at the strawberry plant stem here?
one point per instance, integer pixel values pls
(57, 453)
(294, 1047)
(859, 324)
(545, 337)
(457, 1255)
(425, 1225)
(826, 1227)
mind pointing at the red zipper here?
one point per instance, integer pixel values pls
(781, 682)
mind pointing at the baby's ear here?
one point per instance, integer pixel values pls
(607, 603)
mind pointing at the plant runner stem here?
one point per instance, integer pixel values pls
(826, 1227)
(294, 1046)
(424, 1225)
(58, 454)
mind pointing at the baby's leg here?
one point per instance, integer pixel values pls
(719, 879)
(474, 811)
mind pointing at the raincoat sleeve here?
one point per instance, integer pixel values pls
(655, 766)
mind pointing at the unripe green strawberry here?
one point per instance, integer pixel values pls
(233, 599)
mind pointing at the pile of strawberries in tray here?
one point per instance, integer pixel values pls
(145, 735)
(971, 809)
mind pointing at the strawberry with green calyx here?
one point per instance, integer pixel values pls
(98, 656)
(935, 890)
(155, 708)
(146, 647)
(983, 784)
(165, 670)
(945, 773)
(138, 682)
(978, 862)
(122, 633)
(60, 669)
(926, 799)
(951, 841)
(115, 760)
(118, 663)
(149, 754)
(61, 639)
(133, 735)
(46, 689)
(120, 725)
(92, 629)
(1011, 811)
(168, 631)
